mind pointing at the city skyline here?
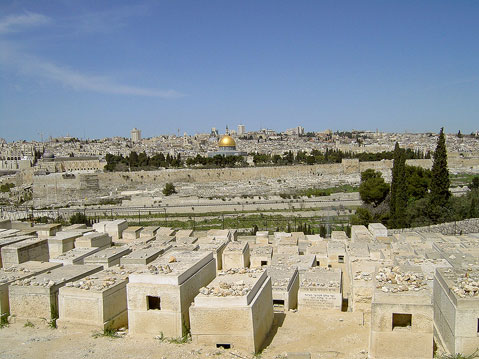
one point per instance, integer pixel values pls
(98, 70)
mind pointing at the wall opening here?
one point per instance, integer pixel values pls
(318, 263)
(154, 303)
(401, 320)
(340, 259)
(224, 346)
(264, 263)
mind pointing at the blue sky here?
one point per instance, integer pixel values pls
(99, 68)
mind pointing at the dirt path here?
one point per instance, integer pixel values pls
(324, 334)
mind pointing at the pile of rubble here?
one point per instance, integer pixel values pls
(101, 281)
(225, 289)
(281, 283)
(466, 284)
(159, 269)
(359, 275)
(12, 274)
(391, 279)
(252, 272)
(32, 281)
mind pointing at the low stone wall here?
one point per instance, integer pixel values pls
(450, 228)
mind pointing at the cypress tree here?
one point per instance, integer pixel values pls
(440, 194)
(401, 195)
(394, 180)
(398, 199)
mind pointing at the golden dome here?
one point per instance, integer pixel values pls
(227, 141)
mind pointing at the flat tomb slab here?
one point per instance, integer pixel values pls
(36, 297)
(34, 249)
(93, 239)
(98, 300)
(108, 257)
(75, 256)
(233, 287)
(173, 268)
(217, 320)
(144, 256)
(18, 272)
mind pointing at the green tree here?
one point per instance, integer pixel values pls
(322, 231)
(474, 183)
(373, 189)
(399, 195)
(79, 218)
(133, 159)
(362, 217)
(440, 194)
(169, 189)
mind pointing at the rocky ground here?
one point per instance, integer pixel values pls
(323, 334)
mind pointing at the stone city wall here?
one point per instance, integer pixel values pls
(60, 187)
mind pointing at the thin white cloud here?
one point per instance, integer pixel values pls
(76, 80)
(15, 23)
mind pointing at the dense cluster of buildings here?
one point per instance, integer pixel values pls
(414, 290)
(19, 155)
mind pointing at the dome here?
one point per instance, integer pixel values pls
(48, 155)
(227, 141)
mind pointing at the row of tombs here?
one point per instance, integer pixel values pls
(413, 289)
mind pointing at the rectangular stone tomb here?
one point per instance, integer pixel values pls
(74, 227)
(149, 231)
(234, 311)
(100, 240)
(159, 297)
(98, 300)
(75, 256)
(115, 228)
(186, 247)
(11, 240)
(108, 257)
(287, 249)
(303, 263)
(5, 224)
(320, 288)
(182, 233)
(165, 239)
(165, 232)
(34, 249)
(144, 256)
(401, 315)
(61, 243)
(217, 249)
(262, 237)
(47, 230)
(186, 240)
(223, 234)
(236, 255)
(132, 233)
(378, 230)
(37, 297)
(285, 284)
(260, 256)
(9, 233)
(18, 272)
(456, 309)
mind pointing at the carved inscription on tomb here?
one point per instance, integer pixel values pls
(319, 299)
